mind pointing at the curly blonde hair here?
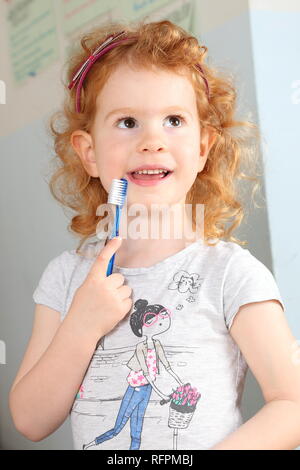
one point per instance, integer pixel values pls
(168, 46)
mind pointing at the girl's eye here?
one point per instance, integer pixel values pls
(126, 118)
(129, 118)
(149, 319)
(178, 117)
(164, 314)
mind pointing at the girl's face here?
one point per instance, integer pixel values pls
(152, 133)
(155, 325)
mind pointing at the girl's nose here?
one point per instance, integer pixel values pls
(152, 148)
(152, 142)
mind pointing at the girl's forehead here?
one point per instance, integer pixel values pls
(123, 75)
(126, 87)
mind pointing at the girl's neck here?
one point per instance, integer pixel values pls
(149, 249)
(145, 253)
(150, 341)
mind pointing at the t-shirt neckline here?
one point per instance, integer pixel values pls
(172, 259)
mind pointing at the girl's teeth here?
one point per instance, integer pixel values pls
(150, 172)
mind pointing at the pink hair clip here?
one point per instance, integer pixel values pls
(205, 80)
(92, 56)
(109, 43)
(81, 73)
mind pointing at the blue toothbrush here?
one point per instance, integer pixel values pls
(116, 196)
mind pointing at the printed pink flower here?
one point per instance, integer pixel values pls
(184, 401)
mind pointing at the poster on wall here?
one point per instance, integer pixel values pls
(32, 37)
(81, 15)
(177, 11)
(76, 14)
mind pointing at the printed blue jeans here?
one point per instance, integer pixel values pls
(133, 406)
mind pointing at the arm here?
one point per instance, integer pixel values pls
(274, 427)
(166, 363)
(171, 372)
(262, 333)
(162, 395)
(50, 375)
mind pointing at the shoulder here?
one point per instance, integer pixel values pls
(246, 279)
(223, 259)
(63, 262)
(242, 260)
(51, 287)
(241, 267)
(227, 249)
(232, 255)
(223, 255)
(72, 257)
(139, 346)
(53, 284)
(60, 268)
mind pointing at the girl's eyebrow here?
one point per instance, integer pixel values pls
(132, 110)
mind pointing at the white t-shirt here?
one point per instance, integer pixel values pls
(177, 334)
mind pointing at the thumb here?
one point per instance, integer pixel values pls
(100, 265)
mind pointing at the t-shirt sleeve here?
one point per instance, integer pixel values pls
(247, 280)
(51, 289)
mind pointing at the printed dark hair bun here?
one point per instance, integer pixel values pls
(141, 304)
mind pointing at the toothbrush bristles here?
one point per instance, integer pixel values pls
(118, 191)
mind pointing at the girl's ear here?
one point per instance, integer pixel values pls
(82, 144)
(208, 137)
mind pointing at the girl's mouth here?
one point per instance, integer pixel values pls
(148, 180)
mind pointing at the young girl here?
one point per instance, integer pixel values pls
(159, 362)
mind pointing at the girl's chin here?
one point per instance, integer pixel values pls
(148, 203)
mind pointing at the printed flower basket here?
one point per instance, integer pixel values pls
(183, 404)
(179, 417)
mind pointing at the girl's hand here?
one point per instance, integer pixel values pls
(101, 302)
(165, 397)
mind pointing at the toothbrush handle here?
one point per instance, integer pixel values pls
(110, 265)
(114, 233)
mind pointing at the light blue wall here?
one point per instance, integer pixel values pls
(276, 52)
(262, 50)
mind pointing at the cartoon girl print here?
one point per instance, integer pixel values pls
(149, 321)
